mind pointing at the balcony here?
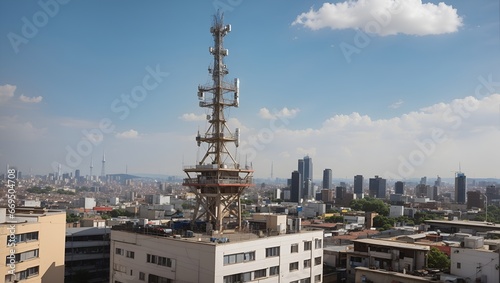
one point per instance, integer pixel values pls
(380, 255)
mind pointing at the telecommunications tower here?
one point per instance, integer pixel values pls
(217, 180)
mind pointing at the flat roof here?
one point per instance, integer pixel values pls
(392, 243)
(464, 223)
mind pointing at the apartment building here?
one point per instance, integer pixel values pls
(33, 245)
(387, 255)
(137, 256)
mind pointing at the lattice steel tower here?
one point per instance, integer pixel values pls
(218, 180)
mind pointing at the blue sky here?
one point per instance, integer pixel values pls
(400, 97)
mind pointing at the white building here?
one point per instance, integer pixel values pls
(475, 261)
(86, 203)
(231, 257)
(396, 211)
(114, 200)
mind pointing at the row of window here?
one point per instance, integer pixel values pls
(239, 257)
(20, 257)
(160, 260)
(129, 254)
(142, 276)
(24, 237)
(307, 263)
(22, 275)
(317, 278)
(252, 275)
(270, 252)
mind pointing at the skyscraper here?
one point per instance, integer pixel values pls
(327, 179)
(377, 187)
(399, 188)
(308, 178)
(460, 188)
(296, 187)
(358, 185)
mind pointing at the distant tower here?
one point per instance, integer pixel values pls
(103, 168)
(399, 188)
(218, 180)
(327, 179)
(460, 188)
(272, 169)
(91, 166)
(58, 172)
(377, 187)
(358, 186)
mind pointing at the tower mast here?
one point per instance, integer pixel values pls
(217, 180)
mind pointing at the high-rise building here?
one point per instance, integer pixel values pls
(437, 183)
(305, 168)
(475, 199)
(77, 174)
(399, 188)
(33, 245)
(358, 185)
(423, 181)
(460, 188)
(327, 179)
(296, 187)
(377, 187)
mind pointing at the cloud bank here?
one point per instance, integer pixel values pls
(384, 17)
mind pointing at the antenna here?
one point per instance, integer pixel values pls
(91, 166)
(217, 179)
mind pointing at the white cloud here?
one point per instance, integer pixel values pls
(396, 104)
(190, 117)
(130, 134)
(6, 92)
(384, 17)
(264, 113)
(17, 129)
(26, 99)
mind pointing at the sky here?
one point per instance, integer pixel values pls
(399, 89)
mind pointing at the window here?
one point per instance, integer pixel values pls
(459, 265)
(22, 275)
(317, 260)
(305, 280)
(236, 278)
(274, 251)
(142, 276)
(307, 263)
(119, 251)
(237, 258)
(20, 257)
(317, 278)
(158, 279)
(318, 243)
(294, 248)
(25, 237)
(130, 254)
(160, 260)
(259, 273)
(307, 246)
(131, 272)
(274, 270)
(294, 266)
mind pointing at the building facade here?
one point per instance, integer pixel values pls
(327, 179)
(33, 245)
(137, 257)
(87, 254)
(460, 188)
(377, 187)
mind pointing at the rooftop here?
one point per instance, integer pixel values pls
(392, 243)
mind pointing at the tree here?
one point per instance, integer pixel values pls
(370, 204)
(438, 259)
(72, 218)
(335, 219)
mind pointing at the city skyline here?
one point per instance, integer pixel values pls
(381, 95)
